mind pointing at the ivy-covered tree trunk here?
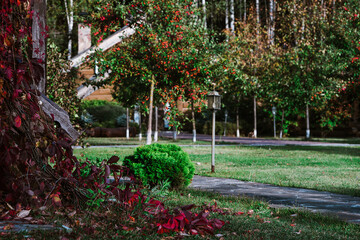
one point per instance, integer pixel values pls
(39, 41)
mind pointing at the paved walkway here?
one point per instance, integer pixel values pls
(345, 207)
(255, 141)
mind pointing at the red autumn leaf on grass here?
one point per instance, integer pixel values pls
(17, 121)
(113, 159)
(239, 213)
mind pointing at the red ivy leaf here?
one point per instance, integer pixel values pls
(17, 121)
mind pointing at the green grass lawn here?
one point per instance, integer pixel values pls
(329, 140)
(259, 221)
(334, 169)
(324, 168)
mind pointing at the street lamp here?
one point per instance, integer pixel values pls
(274, 114)
(214, 104)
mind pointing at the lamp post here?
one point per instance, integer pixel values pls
(214, 104)
(274, 114)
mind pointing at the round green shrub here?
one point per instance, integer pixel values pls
(156, 163)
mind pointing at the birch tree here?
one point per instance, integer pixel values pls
(232, 16)
(69, 9)
(204, 13)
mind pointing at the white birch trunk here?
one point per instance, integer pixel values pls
(255, 122)
(204, 12)
(149, 130)
(193, 121)
(271, 23)
(156, 133)
(245, 11)
(232, 16)
(225, 123)
(140, 133)
(127, 124)
(227, 14)
(307, 121)
(174, 133)
(282, 124)
(237, 123)
(70, 21)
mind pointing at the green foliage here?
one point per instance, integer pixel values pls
(102, 113)
(157, 163)
(169, 49)
(62, 82)
(219, 128)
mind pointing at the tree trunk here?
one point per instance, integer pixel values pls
(271, 23)
(307, 121)
(127, 124)
(156, 133)
(225, 123)
(193, 121)
(232, 16)
(39, 41)
(282, 124)
(303, 23)
(174, 133)
(323, 9)
(255, 123)
(295, 25)
(39, 52)
(227, 14)
(140, 133)
(237, 123)
(240, 10)
(70, 21)
(244, 10)
(149, 132)
(204, 12)
(213, 142)
(258, 22)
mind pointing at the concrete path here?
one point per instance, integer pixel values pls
(345, 207)
(255, 141)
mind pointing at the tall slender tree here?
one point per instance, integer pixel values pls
(69, 8)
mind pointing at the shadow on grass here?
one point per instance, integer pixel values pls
(329, 150)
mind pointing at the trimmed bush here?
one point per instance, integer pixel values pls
(156, 163)
(219, 128)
